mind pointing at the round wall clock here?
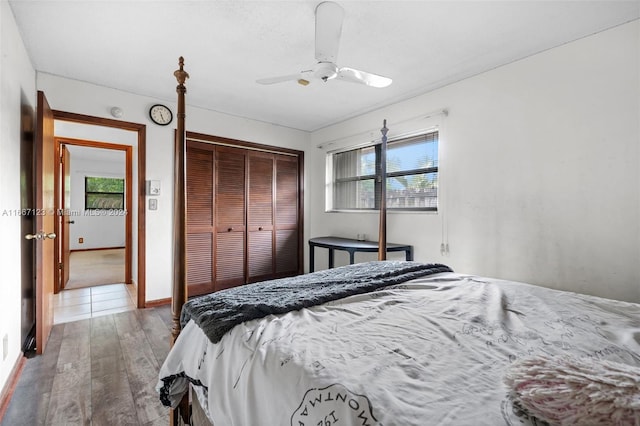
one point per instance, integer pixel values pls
(160, 114)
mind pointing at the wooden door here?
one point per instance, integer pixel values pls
(260, 230)
(27, 226)
(200, 224)
(287, 216)
(244, 216)
(45, 259)
(230, 217)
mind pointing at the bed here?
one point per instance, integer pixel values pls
(395, 343)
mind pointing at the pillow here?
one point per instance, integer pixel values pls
(572, 391)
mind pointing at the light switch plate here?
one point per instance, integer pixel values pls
(153, 187)
(153, 204)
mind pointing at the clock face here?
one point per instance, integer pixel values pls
(160, 114)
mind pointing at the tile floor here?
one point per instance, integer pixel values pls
(83, 303)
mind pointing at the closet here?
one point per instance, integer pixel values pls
(244, 213)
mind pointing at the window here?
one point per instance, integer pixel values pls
(412, 176)
(103, 193)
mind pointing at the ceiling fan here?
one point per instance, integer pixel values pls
(329, 17)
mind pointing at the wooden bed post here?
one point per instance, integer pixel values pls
(179, 285)
(382, 231)
(179, 288)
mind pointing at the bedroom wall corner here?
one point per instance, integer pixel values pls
(17, 87)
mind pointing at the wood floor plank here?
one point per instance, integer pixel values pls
(82, 327)
(75, 346)
(164, 312)
(101, 326)
(127, 324)
(40, 370)
(111, 402)
(71, 376)
(106, 345)
(34, 385)
(142, 369)
(156, 332)
(70, 406)
(112, 364)
(35, 413)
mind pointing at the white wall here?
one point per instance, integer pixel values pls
(98, 229)
(78, 97)
(539, 168)
(17, 79)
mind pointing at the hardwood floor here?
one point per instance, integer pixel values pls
(98, 371)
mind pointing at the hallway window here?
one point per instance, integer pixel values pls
(102, 193)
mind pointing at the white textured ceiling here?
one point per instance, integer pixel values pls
(227, 45)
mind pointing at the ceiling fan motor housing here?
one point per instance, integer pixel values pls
(325, 71)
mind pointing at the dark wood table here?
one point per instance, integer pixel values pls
(351, 246)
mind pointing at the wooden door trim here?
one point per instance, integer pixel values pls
(128, 151)
(141, 130)
(236, 143)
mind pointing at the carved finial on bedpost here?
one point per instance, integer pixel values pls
(181, 75)
(382, 231)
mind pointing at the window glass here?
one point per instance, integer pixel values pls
(103, 193)
(412, 175)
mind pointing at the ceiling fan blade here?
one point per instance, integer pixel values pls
(283, 78)
(363, 77)
(329, 17)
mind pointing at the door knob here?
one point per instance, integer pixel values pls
(40, 236)
(71, 221)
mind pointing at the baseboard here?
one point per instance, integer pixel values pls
(10, 386)
(95, 249)
(157, 302)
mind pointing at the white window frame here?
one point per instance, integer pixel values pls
(330, 184)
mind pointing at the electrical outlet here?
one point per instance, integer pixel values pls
(80, 240)
(5, 346)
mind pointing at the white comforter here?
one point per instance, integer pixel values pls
(429, 352)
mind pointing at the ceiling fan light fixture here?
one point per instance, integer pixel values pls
(325, 71)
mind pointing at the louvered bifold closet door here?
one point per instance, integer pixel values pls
(200, 226)
(287, 215)
(260, 256)
(230, 217)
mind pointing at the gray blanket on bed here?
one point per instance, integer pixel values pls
(219, 312)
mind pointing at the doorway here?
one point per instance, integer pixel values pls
(73, 129)
(93, 197)
(94, 201)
